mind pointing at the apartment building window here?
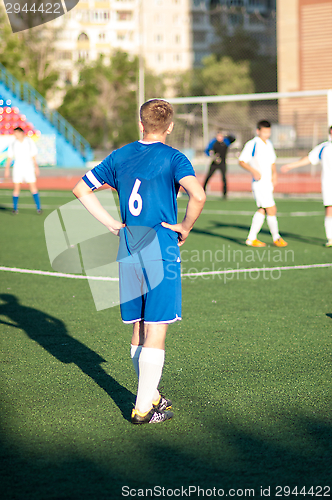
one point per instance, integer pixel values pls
(83, 55)
(177, 39)
(102, 36)
(121, 35)
(159, 57)
(124, 15)
(198, 18)
(199, 36)
(96, 16)
(83, 37)
(177, 57)
(158, 38)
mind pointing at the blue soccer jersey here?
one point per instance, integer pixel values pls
(146, 177)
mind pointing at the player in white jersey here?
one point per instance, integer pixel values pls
(23, 151)
(258, 157)
(321, 153)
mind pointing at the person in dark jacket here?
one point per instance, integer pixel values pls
(218, 149)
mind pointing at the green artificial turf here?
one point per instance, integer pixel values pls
(248, 368)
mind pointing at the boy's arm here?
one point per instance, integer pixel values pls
(195, 205)
(8, 163)
(296, 164)
(86, 196)
(274, 174)
(34, 159)
(256, 175)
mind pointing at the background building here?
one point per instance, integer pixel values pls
(304, 41)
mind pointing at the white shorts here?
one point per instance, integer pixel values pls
(263, 193)
(327, 194)
(23, 175)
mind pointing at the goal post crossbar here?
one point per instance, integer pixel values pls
(267, 96)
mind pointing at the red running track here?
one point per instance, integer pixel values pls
(300, 183)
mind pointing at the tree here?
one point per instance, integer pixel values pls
(216, 77)
(29, 55)
(243, 46)
(103, 105)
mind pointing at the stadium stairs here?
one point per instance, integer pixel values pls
(72, 149)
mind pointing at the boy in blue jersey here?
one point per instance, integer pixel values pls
(147, 175)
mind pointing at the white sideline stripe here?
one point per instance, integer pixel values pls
(56, 275)
(253, 269)
(205, 273)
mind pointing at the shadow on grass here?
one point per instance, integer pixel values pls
(5, 209)
(51, 334)
(215, 226)
(225, 458)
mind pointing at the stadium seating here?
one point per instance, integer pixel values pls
(10, 118)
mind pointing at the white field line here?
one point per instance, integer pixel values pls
(205, 273)
(181, 210)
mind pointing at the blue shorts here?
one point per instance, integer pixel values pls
(152, 294)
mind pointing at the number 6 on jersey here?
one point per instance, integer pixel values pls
(135, 197)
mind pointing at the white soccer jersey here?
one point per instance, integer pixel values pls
(22, 154)
(261, 156)
(323, 153)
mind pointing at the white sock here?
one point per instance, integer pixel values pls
(151, 362)
(328, 227)
(135, 352)
(272, 222)
(256, 225)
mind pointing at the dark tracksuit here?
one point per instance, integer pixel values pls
(219, 161)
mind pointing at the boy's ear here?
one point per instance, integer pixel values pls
(170, 128)
(141, 127)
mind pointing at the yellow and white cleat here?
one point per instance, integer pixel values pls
(280, 243)
(255, 243)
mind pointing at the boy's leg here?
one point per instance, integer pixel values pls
(272, 222)
(256, 224)
(16, 194)
(35, 194)
(273, 226)
(150, 366)
(328, 224)
(212, 169)
(224, 180)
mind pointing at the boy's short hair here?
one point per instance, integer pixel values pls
(263, 124)
(330, 130)
(18, 129)
(156, 115)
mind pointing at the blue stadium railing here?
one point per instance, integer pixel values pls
(25, 92)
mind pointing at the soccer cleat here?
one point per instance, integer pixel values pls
(328, 243)
(151, 417)
(280, 243)
(39, 211)
(15, 212)
(255, 243)
(163, 404)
